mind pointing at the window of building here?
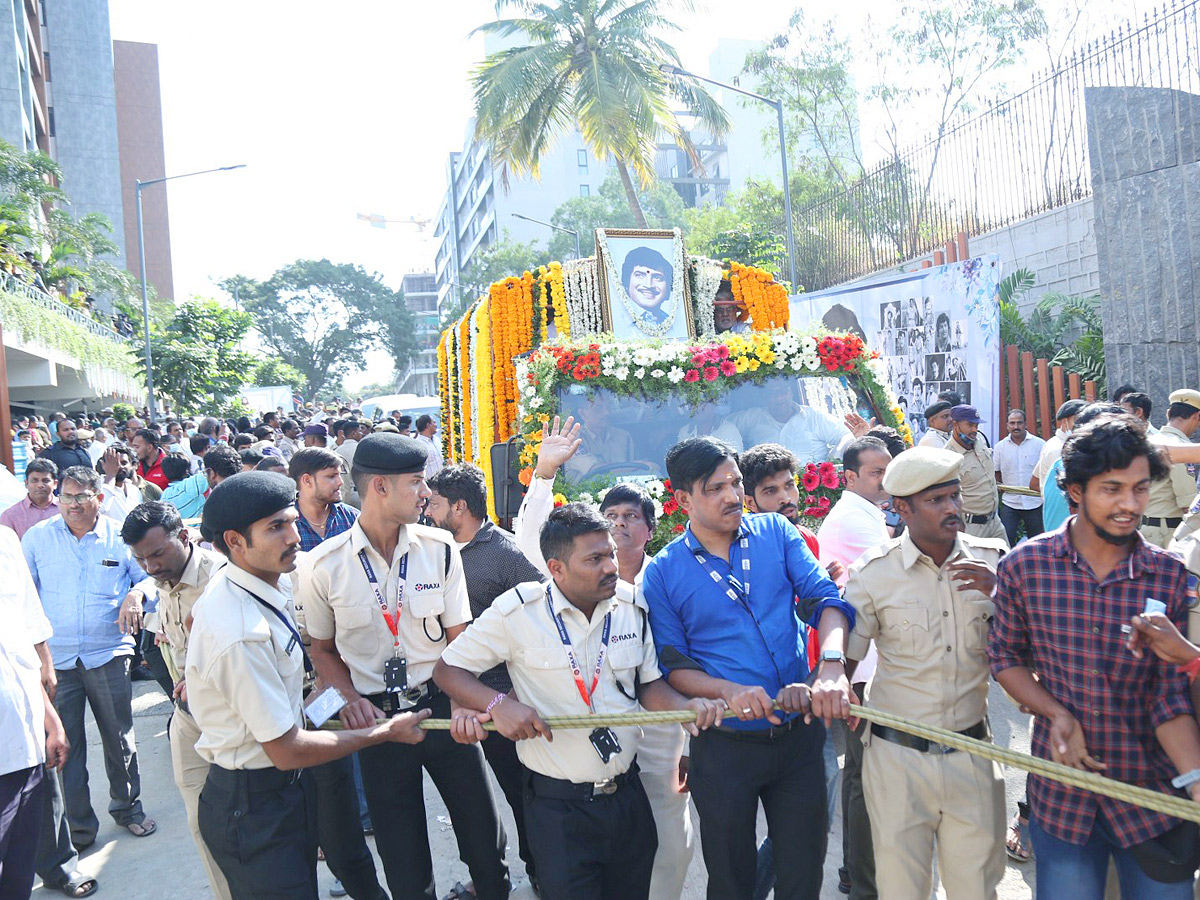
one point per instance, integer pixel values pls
(585, 190)
(581, 159)
(50, 116)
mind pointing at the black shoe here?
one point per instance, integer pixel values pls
(141, 673)
(844, 885)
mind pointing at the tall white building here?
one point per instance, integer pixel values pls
(421, 297)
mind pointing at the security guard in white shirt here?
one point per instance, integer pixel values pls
(575, 647)
(245, 667)
(381, 602)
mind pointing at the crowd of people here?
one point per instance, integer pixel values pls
(280, 575)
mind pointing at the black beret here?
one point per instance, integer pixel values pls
(384, 453)
(241, 500)
(934, 408)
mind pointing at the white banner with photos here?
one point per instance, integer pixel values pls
(937, 330)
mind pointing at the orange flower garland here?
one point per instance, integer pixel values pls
(512, 334)
(756, 289)
(447, 428)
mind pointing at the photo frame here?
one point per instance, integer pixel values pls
(648, 296)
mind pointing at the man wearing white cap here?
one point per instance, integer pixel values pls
(1170, 498)
(925, 599)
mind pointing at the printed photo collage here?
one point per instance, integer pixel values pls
(924, 353)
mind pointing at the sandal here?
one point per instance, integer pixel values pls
(1016, 840)
(144, 828)
(77, 885)
(460, 892)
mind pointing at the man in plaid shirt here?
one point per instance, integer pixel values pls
(1062, 600)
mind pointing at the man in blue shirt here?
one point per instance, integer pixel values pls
(724, 601)
(85, 575)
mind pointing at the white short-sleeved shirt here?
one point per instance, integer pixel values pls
(339, 604)
(245, 670)
(22, 625)
(518, 629)
(1051, 451)
(1016, 463)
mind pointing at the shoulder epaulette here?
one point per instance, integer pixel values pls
(510, 601)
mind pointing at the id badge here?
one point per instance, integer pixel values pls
(324, 706)
(395, 675)
(606, 743)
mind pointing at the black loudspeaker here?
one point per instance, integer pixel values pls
(507, 490)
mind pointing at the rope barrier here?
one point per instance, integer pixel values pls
(1168, 804)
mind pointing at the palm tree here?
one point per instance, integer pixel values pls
(591, 65)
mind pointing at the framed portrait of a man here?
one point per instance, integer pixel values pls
(644, 285)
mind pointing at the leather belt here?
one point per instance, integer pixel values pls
(1169, 521)
(758, 734)
(980, 520)
(252, 780)
(397, 703)
(912, 742)
(561, 789)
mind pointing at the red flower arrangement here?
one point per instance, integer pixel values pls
(820, 484)
(840, 352)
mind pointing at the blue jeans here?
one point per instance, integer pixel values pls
(1079, 872)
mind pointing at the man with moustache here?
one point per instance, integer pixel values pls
(66, 451)
(722, 634)
(977, 475)
(937, 416)
(1061, 601)
(661, 762)
(41, 480)
(648, 279)
(924, 598)
(245, 671)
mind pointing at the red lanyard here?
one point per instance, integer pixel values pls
(575, 670)
(393, 624)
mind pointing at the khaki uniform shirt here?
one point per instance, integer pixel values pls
(340, 605)
(931, 635)
(175, 603)
(244, 669)
(518, 630)
(1174, 494)
(977, 477)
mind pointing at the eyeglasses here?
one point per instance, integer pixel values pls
(76, 499)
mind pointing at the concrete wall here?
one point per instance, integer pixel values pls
(140, 136)
(1144, 145)
(85, 109)
(15, 86)
(1058, 246)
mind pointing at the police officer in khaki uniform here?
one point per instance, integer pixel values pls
(245, 669)
(381, 602)
(925, 599)
(977, 476)
(575, 647)
(1170, 498)
(180, 571)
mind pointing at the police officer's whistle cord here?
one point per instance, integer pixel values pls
(1168, 804)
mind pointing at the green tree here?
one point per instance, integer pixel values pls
(273, 371)
(661, 206)
(592, 65)
(27, 182)
(321, 317)
(198, 358)
(493, 263)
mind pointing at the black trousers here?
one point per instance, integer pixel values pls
(260, 825)
(1012, 519)
(858, 851)
(599, 848)
(21, 808)
(339, 830)
(730, 773)
(501, 755)
(392, 780)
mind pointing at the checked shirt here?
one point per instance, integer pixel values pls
(1054, 618)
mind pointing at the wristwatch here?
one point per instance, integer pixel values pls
(833, 656)
(1186, 779)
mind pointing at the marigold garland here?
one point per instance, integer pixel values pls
(462, 326)
(486, 427)
(512, 335)
(447, 428)
(757, 290)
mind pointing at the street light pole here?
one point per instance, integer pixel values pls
(787, 188)
(550, 225)
(138, 185)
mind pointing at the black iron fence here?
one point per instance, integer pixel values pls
(1021, 157)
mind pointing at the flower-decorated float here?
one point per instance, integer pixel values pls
(716, 356)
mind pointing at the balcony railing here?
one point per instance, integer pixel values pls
(27, 291)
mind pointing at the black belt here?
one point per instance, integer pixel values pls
(980, 520)
(1169, 521)
(561, 789)
(252, 780)
(397, 703)
(912, 742)
(759, 734)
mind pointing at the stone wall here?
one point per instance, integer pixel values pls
(1144, 145)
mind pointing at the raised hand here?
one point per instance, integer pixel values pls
(558, 445)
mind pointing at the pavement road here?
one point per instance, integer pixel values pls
(165, 865)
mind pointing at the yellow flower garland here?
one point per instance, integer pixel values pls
(463, 327)
(487, 405)
(558, 297)
(444, 393)
(764, 299)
